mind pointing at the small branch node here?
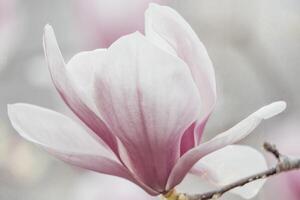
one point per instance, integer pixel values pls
(271, 148)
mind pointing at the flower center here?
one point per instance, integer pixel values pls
(173, 195)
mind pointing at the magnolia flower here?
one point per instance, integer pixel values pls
(102, 22)
(145, 100)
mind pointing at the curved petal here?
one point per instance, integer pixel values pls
(190, 139)
(63, 137)
(70, 94)
(148, 98)
(230, 136)
(81, 70)
(231, 164)
(166, 28)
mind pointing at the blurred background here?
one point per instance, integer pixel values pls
(254, 46)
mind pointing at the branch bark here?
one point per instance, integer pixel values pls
(284, 164)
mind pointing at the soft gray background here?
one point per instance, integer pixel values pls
(254, 46)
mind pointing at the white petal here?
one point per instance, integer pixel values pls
(147, 98)
(81, 70)
(62, 137)
(168, 30)
(233, 135)
(231, 164)
(79, 101)
(244, 127)
(51, 129)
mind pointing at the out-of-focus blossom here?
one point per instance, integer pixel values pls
(145, 99)
(92, 186)
(8, 29)
(287, 140)
(103, 22)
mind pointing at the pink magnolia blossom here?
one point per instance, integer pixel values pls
(145, 100)
(103, 22)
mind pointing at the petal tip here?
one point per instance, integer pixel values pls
(51, 49)
(48, 31)
(281, 104)
(153, 5)
(13, 111)
(272, 109)
(48, 27)
(11, 108)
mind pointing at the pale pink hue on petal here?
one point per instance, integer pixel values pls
(81, 71)
(170, 31)
(68, 92)
(230, 164)
(228, 137)
(190, 139)
(104, 21)
(148, 98)
(165, 25)
(64, 138)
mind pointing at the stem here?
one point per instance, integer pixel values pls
(284, 164)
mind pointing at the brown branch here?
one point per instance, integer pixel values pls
(284, 164)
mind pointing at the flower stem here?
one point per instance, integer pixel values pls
(173, 195)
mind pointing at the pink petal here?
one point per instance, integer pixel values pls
(231, 164)
(166, 28)
(64, 138)
(70, 94)
(190, 139)
(148, 98)
(230, 136)
(81, 71)
(67, 140)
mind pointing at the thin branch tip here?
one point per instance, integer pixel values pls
(271, 148)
